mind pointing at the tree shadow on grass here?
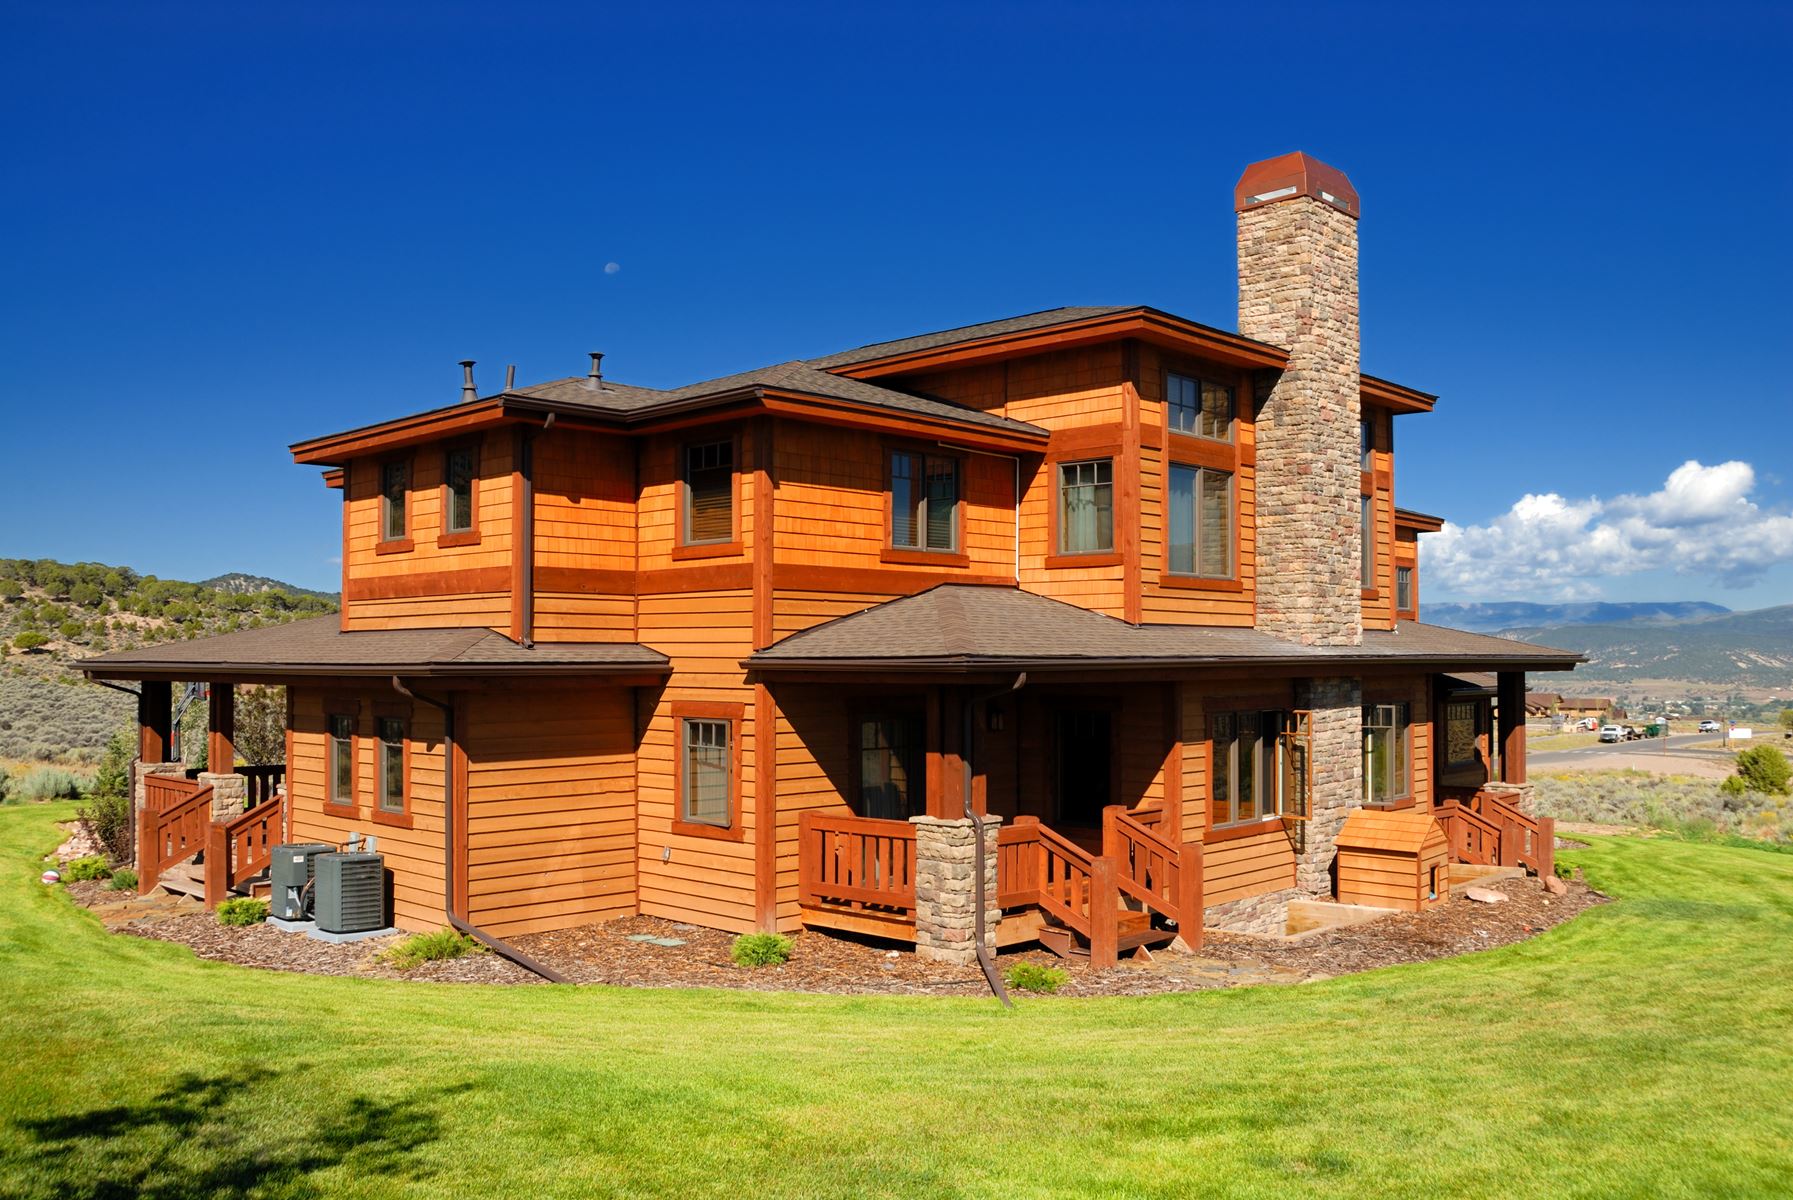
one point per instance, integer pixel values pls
(252, 1132)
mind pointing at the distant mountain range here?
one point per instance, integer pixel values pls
(1497, 618)
(238, 583)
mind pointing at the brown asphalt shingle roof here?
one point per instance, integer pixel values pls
(968, 333)
(802, 378)
(956, 626)
(319, 647)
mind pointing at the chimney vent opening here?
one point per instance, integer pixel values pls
(596, 376)
(469, 393)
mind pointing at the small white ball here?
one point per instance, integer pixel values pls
(51, 876)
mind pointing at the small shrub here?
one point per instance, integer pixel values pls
(85, 870)
(242, 910)
(124, 880)
(761, 950)
(31, 639)
(108, 818)
(51, 783)
(1764, 769)
(438, 946)
(1031, 977)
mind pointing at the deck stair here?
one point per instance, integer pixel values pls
(184, 879)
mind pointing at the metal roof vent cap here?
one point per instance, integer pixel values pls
(595, 378)
(468, 392)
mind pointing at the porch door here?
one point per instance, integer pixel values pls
(892, 783)
(1083, 743)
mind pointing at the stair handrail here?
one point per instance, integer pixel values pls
(240, 848)
(1473, 837)
(1067, 876)
(171, 836)
(1525, 840)
(1146, 863)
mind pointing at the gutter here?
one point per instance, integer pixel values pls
(497, 945)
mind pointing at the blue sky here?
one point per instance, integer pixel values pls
(229, 227)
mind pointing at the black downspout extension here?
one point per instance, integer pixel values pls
(497, 945)
(977, 829)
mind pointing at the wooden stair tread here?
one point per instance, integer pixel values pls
(184, 879)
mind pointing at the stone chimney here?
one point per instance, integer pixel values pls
(1298, 290)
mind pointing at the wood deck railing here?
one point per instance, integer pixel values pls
(172, 831)
(1525, 841)
(860, 862)
(240, 849)
(1472, 837)
(261, 782)
(1161, 875)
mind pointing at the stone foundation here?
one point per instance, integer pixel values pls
(152, 768)
(945, 888)
(230, 794)
(1337, 768)
(1521, 796)
(1268, 913)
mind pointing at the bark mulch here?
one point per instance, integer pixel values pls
(822, 962)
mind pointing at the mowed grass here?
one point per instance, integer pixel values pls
(1641, 1050)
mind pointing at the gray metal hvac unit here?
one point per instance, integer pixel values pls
(350, 893)
(291, 868)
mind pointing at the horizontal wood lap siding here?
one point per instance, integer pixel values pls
(814, 747)
(1248, 866)
(370, 577)
(659, 524)
(1196, 764)
(550, 808)
(414, 855)
(795, 611)
(1379, 612)
(707, 881)
(584, 520)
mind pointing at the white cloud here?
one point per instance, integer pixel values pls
(611, 268)
(1701, 522)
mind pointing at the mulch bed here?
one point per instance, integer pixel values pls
(840, 964)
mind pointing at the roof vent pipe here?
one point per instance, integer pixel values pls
(510, 377)
(468, 392)
(596, 377)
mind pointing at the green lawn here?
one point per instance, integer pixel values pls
(1641, 1050)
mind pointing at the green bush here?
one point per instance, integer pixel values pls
(438, 946)
(85, 870)
(1764, 769)
(52, 783)
(761, 950)
(242, 910)
(108, 818)
(31, 639)
(124, 880)
(1031, 977)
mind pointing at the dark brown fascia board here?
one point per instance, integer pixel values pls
(334, 478)
(274, 672)
(336, 449)
(950, 665)
(1406, 518)
(1143, 322)
(1395, 396)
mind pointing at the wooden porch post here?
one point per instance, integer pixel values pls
(945, 755)
(155, 716)
(1510, 694)
(221, 727)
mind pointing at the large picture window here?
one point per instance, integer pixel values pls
(924, 501)
(709, 493)
(708, 773)
(1201, 522)
(1385, 760)
(341, 751)
(1086, 507)
(1462, 731)
(395, 488)
(1247, 782)
(891, 783)
(1200, 408)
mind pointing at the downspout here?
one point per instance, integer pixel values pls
(526, 535)
(979, 902)
(497, 945)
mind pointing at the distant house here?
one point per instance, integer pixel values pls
(1542, 704)
(1578, 708)
(745, 653)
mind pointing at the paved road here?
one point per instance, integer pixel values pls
(1679, 745)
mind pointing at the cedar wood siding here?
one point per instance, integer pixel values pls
(1379, 610)
(584, 537)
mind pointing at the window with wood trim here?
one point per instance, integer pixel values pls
(340, 751)
(1199, 407)
(707, 772)
(1404, 589)
(1368, 565)
(924, 501)
(709, 493)
(1201, 522)
(1367, 445)
(395, 491)
(1462, 731)
(1247, 775)
(1086, 506)
(891, 784)
(460, 466)
(394, 786)
(1386, 770)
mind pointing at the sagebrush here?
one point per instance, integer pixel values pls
(1670, 802)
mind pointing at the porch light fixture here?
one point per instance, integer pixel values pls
(995, 720)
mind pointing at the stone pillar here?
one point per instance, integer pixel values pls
(1297, 242)
(1514, 795)
(945, 879)
(230, 794)
(1337, 770)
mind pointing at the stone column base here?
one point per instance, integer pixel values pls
(945, 883)
(230, 794)
(152, 768)
(1518, 795)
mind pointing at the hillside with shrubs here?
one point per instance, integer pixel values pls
(54, 613)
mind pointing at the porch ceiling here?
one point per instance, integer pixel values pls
(319, 647)
(956, 628)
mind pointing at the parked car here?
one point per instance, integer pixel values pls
(1711, 727)
(1612, 733)
(1633, 734)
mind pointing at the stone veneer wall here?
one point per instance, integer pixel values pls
(1298, 289)
(1337, 769)
(1268, 913)
(230, 794)
(945, 883)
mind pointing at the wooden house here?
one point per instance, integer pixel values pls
(745, 652)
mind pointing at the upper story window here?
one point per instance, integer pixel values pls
(1385, 774)
(1247, 779)
(1201, 522)
(395, 490)
(1086, 506)
(1404, 589)
(459, 468)
(924, 501)
(1199, 407)
(709, 493)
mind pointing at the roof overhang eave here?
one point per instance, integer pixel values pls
(277, 672)
(978, 664)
